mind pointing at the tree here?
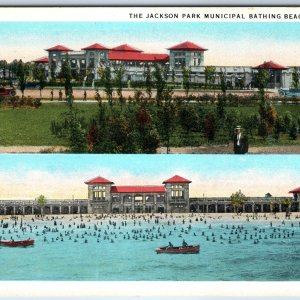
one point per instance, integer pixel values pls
(22, 75)
(41, 201)
(71, 127)
(266, 111)
(39, 74)
(3, 68)
(295, 78)
(222, 98)
(160, 83)
(119, 74)
(148, 81)
(167, 117)
(237, 200)
(293, 134)
(148, 135)
(210, 126)
(262, 79)
(210, 75)
(186, 78)
(106, 78)
(189, 118)
(66, 76)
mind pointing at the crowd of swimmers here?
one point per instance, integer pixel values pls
(163, 228)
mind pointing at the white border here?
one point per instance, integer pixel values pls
(108, 14)
(148, 289)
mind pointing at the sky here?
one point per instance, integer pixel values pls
(63, 176)
(236, 43)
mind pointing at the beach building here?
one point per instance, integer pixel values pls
(106, 197)
(172, 196)
(89, 59)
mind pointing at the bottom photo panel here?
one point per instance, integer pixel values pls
(150, 218)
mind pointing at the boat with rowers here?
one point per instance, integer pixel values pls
(184, 249)
(13, 243)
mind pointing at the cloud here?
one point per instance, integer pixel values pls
(60, 185)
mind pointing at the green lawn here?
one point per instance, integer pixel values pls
(24, 126)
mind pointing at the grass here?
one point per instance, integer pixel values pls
(31, 127)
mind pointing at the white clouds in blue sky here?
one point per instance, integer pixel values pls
(62, 176)
(228, 43)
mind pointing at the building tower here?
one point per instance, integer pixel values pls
(186, 54)
(55, 55)
(177, 194)
(96, 55)
(99, 195)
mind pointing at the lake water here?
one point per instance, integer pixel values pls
(231, 249)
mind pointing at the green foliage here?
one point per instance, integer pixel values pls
(288, 120)
(159, 83)
(293, 133)
(189, 118)
(186, 78)
(41, 200)
(71, 127)
(22, 72)
(148, 81)
(295, 78)
(262, 78)
(66, 77)
(210, 75)
(210, 126)
(39, 74)
(119, 73)
(106, 78)
(237, 200)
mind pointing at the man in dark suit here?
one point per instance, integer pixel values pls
(240, 142)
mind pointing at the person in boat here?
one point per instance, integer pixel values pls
(184, 243)
(170, 244)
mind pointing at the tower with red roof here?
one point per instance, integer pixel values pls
(177, 194)
(186, 54)
(99, 195)
(96, 55)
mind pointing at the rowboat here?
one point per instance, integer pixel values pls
(12, 243)
(193, 249)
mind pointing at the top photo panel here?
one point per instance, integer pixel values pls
(150, 80)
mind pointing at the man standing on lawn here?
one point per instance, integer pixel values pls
(240, 142)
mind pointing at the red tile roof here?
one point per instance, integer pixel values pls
(270, 65)
(126, 47)
(59, 48)
(95, 46)
(297, 190)
(188, 46)
(42, 60)
(138, 189)
(98, 180)
(137, 56)
(177, 179)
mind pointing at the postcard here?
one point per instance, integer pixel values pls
(90, 96)
(151, 80)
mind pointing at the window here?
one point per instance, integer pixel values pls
(177, 191)
(99, 195)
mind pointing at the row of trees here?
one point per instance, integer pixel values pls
(142, 125)
(238, 199)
